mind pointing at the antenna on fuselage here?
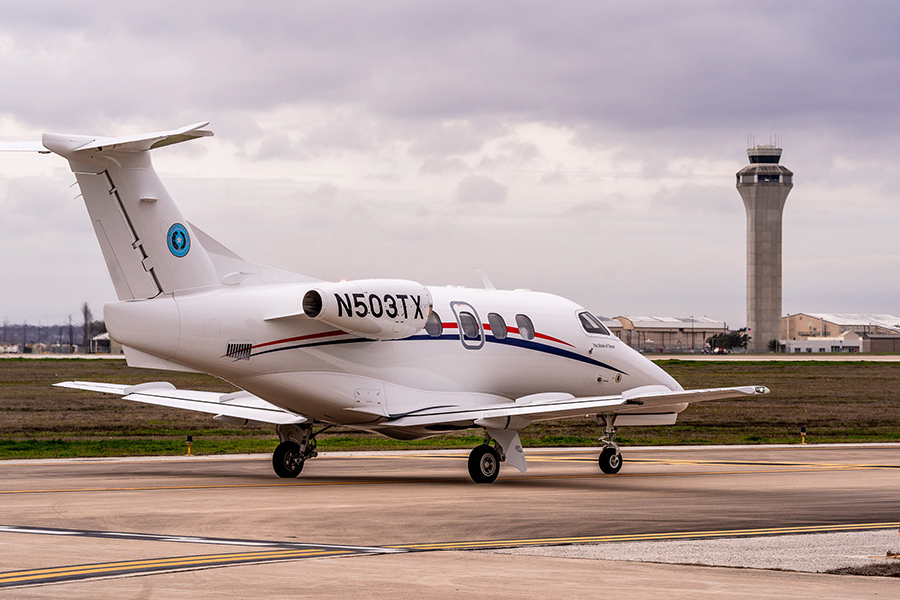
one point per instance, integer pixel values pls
(485, 280)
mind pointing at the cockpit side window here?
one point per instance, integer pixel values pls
(526, 327)
(592, 324)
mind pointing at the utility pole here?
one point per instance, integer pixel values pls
(86, 342)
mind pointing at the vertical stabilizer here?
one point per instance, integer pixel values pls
(149, 247)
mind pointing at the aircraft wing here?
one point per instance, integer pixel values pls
(235, 407)
(519, 413)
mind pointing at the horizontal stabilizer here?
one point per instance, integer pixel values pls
(239, 405)
(128, 143)
(23, 147)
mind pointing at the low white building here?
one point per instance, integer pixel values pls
(849, 341)
(835, 332)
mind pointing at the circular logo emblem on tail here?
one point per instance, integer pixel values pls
(179, 240)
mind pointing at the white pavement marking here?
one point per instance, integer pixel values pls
(813, 552)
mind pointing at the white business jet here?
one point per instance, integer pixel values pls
(390, 356)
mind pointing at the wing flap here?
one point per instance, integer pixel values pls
(240, 405)
(557, 406)
(532, 411)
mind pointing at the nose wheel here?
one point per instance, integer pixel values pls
(610, 459)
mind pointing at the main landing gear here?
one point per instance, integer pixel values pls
(298, 443)
(484, 464)
(610, 458)
(484, 460)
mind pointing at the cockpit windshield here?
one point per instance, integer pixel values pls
(592, 324)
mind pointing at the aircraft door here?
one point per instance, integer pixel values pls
(471, 333)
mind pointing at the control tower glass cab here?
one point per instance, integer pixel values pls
(764, 186)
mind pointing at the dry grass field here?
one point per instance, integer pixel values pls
(836, 401)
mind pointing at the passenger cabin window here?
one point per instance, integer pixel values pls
(498, 326)
(469, 325)
(592, 324)
(526, 327)
(471, 333)
(433, 325)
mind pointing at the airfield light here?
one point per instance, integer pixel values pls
(803, 434)
(190, 441)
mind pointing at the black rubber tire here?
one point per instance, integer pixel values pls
(484, 464)
(610, 461)
(286, 460)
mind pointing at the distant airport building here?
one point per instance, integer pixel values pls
(834, 332)
(764, 186)
(881, 343)
(103, 344)
(806, 325)
(666, 334)
(849, 341)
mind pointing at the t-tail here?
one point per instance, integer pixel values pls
(149, 247)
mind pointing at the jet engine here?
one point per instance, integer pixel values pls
(378, 309)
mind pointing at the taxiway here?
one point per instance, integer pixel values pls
(404, 524)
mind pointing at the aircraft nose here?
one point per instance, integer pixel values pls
(643, 371)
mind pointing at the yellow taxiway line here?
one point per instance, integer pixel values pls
(62, 574)
(159, 564)
(640, 537)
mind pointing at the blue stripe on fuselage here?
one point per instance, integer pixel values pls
(526, 344)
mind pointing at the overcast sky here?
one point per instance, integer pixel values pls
(582, 148)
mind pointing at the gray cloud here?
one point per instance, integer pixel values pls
(378, 116)
(609, 65)
(479, 189)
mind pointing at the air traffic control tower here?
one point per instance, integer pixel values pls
(764, 186)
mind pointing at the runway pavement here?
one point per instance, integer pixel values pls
(403, 524)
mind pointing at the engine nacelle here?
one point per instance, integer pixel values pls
(378, 309)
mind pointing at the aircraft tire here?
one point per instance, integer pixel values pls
(610, 460)
(484, 464)
(286, 460)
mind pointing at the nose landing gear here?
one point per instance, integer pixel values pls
(610, 459)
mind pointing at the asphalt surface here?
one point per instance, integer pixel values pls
(402, 524)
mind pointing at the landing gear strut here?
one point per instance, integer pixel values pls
(610, 458)
(298, 443)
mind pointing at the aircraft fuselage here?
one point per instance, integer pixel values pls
(312, 368)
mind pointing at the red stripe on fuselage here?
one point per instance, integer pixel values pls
(452, 325)
(302, 338)
(515, 330)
